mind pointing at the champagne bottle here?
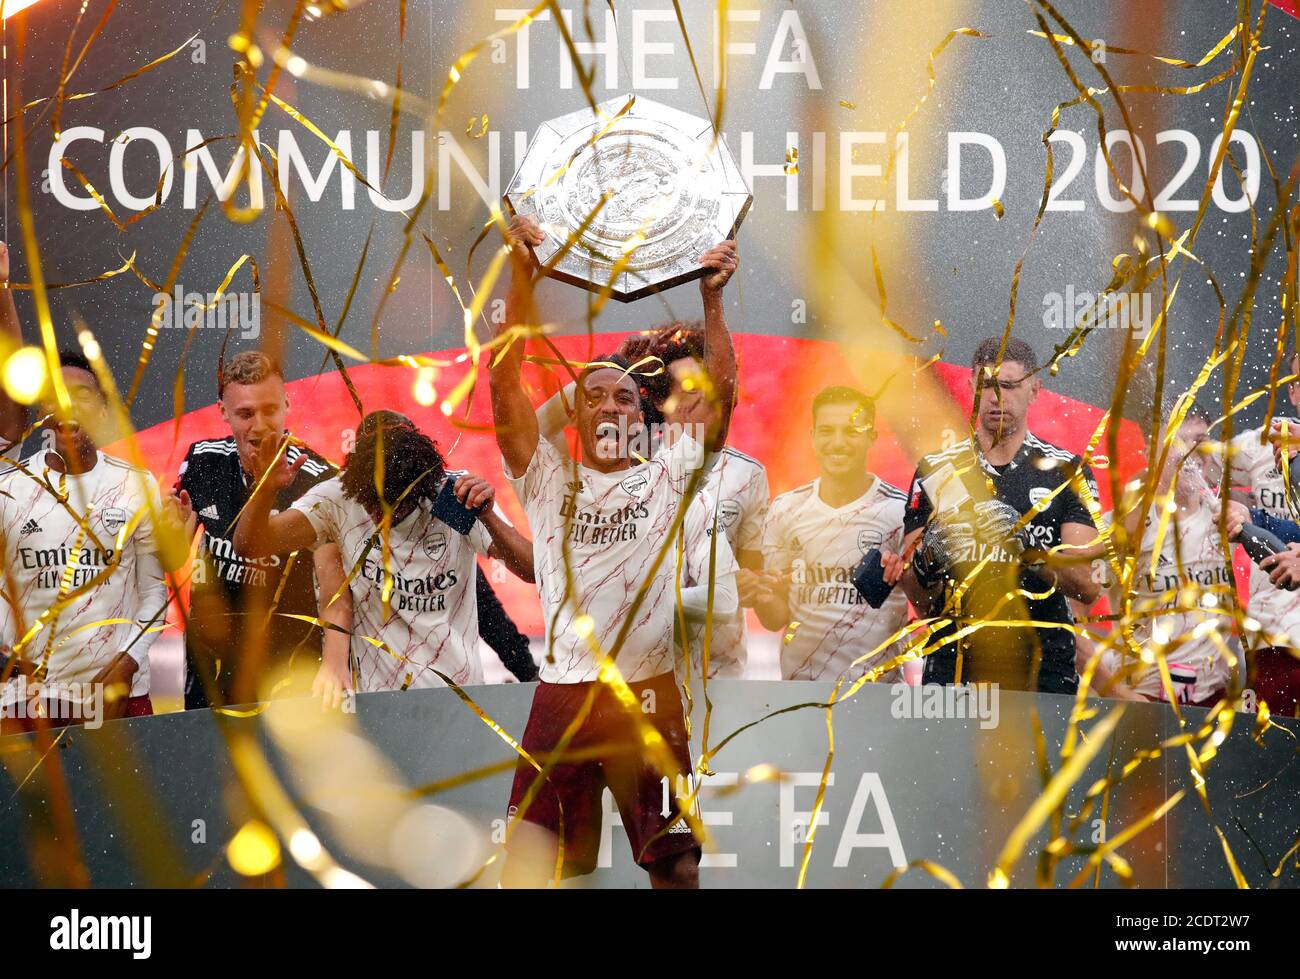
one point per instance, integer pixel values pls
(1259, 543)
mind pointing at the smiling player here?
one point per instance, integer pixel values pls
(599, 525)
(813, 539)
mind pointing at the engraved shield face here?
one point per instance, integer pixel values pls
(628, 196)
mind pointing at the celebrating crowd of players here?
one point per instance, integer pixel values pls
(645, 555)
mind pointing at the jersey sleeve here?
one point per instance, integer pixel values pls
(1242, 452)
(895, 514)
(151, 585)
(149, 503)
(553, 415)
(708, 558)
(699, 526)
(684, 459)
(776, 552)
(185, 475)
(1075, 510)
(543, 475)
(918, 511)
(322, 505)
(753, 512)
(316, 470)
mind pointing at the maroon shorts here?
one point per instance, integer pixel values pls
(610, 755)
(1277, 680)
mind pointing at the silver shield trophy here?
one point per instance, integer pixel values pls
(636, 191)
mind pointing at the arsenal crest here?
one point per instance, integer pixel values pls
(635, 484)
(113, 518)
(435, 545)
(867, 539)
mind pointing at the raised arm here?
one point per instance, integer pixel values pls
(257, 533)
(13, 416)
(334, 601)
(719, 354)
(510, 547)
(556, 412)
(512, 412)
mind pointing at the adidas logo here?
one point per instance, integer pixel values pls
(30, 527)
(209, 512)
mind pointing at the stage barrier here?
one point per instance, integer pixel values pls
(155, 800)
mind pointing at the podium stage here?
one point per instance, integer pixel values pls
(156, 800)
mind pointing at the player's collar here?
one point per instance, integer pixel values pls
(615, 474)
(1017, 460)
(61, 473)
(872, 485)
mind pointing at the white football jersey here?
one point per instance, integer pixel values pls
(739, 485)
(1198, 667)
(595, 537)
(819, 546)
(48, 554)
(700, 559)
(433, 620)
(1275, 609)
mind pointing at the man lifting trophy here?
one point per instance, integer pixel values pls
(633, 198)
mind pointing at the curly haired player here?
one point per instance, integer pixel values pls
(430, 624)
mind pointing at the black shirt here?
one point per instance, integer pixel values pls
(225, 585)
(1005, 654)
